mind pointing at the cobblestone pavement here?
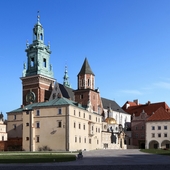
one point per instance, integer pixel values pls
(103, 159)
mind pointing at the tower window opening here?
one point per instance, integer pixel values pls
(88, 82)
(41, 36)
(44, 62)
(32, 62)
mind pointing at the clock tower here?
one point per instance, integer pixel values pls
(37, 77)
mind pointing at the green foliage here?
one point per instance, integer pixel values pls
(36, 158)
(157, 151)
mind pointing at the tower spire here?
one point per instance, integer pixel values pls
(38, 16)
(66, 78)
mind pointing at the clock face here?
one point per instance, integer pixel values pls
(30, 97)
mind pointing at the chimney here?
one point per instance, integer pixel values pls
(149, 102)
(22, 106)
(136, 101)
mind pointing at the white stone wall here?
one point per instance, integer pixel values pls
(156, 132)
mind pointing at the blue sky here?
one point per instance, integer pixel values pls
(127, 43)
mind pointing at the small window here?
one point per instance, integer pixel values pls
(27, 112)
(165, 128)
(136, 128)
(79, 126)
(59, 124)
(84, 127)
(37, 139)
(27, 124)
(37, 124)
(89, 117)
(74, 124)
(79, 139)
(142, 127)
(79, 114)
(2, 138)
(59, 111)
(81, 96)
(153, 135)
(97, 141)
(99, 130)
(85, 140)
(44, 62)
(14, 126)
(75, 138)
(27, 138)
(99, 120)
(96, 129)
(74, 112)
(38, 113)
(90, 141)
(15, 116)
(153, 127)
(165, 135)
(159, 135)
(159, 127)
(84, 115)
(96, 119)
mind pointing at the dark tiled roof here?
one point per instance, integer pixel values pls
(149, 108)
(112, 104)
(66, 91)
(85, 68)
(160, 115)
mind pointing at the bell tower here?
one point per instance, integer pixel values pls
(86, 94)
(37, 77)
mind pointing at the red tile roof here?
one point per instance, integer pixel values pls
(149, 108)
(159, 115)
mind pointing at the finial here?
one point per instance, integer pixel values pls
(27, 44)
(38, 16)
(49, 44)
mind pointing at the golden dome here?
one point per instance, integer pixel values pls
(110, 120)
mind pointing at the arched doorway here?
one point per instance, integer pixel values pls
(153, 144)
(165, 144)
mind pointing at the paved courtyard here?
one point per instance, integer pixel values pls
(103, 159)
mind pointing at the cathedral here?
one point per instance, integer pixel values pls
(55, 116)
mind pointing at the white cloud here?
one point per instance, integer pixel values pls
(164, 85)
(134, 92)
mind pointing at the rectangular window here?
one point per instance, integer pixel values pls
(27, 138)
(14, 126)
(59, 124)
(84, 115)
(79, 139)
(44, 62)
(90, 141)
(96, 129)
(97, 141)
(37, 139)
(75, 138)
(84, 127)
(153, 135)
(99, 130)
(79, 114)
(165, 128)
(74, 112)
(59, 111)
(15, 116)
(74, 124)
(85, 140)
(136, 128)
(142, 127)
(38, 113)
(165, 135)
(2, 138)
(99, 120)
(159, 127)
(89, 117)
(79, 126)
(153, 127)
(37, 124)
(81, 96)
(27, 112)
(159, 135)
(27, 124)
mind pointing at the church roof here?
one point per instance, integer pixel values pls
(111, 104)
(85, 69)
